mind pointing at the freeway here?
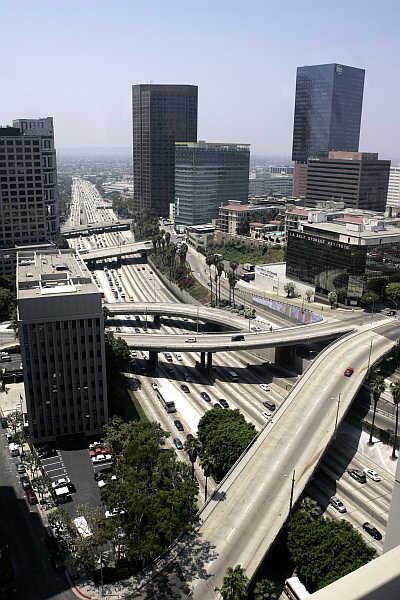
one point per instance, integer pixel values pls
(220, 342)
(209, 315)
(243, 518)
(72, 230)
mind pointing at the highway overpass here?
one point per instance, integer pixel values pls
(243, 517)
(222, 342)
(115, 251)
(91, 228)
(176, 310)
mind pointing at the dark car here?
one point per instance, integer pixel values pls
(46, 451)
(24, 480)
(349, 372)
(216, 405)
(137, 330)
(223, 403)
(178, 444)
(31, 496)
(358, 475)
(185, 388)
(178, 425)
(205, 396)
(100, 473)
(373, 532)
(237, 338)
(270, 405)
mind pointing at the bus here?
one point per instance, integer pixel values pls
(82, 527)
(295, 590)
(166, 395)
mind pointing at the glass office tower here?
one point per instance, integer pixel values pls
(208, 176)
(328, 109)
(162, 115)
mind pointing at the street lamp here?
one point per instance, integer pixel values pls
(337, 414)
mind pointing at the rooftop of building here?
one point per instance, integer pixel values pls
(244, 207)
(203, 228)
(203, 145)
(52, 272)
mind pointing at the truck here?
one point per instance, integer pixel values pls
(166, 393)
(82, 527)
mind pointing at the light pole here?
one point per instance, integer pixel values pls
(337, 416)
(292, 492)
(197, 329)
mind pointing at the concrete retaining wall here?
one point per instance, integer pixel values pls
(179, 294)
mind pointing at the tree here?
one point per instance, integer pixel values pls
(310, 506)
(332, 298)
(232, 281)
(117, 353)
(265, 589)
(369, 299)
(87, 550)
(182, 252)
(324, 550)
(309, 294)
(290, 289)
(224, 435)
(209, 263)
(233, 265)
(220, 270)
(192, 446)
(396, 400)
(7, 302)
(396, 353)
(377, 387)
(208, 465)
(15, 420)
(392, 290)
(235, 584)
(42, 485)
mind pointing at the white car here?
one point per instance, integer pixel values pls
(102, 483)
(267, 415)
(95, 445)
(113, 513)
(372, 474)
(154, 385)
(265, 387)
(178, 356)
(60, 482)
(101, 458)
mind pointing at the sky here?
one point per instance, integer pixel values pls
(76, 60)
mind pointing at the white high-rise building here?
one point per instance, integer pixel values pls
(393, 195)
(61, 329)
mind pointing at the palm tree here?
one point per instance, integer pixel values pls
(310, 506)
(396, 400)
(192, 446)
(265, 590)
(377, 388)
(182, 254)
(220, 270)
(207, 464)
(209, 262)
(216, 263)
(233, 283)
(173, 250)
(235, 584)
(233, 265)
(167, 237)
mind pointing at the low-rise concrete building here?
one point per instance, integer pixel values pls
(200, 235)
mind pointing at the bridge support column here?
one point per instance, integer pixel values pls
(156, 321)
(153, 359)
(285, 357)
(203, 360)
(209, 362)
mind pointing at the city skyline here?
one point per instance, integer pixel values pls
(89, 95)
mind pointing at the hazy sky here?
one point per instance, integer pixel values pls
(76, 60)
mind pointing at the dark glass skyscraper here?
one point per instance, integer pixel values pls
(162, 115)
(327, 113)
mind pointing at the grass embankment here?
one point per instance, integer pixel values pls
(186, 282)
(123, 402)
(241, 253)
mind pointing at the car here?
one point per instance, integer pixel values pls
(223, 403)
(101, 458)
(113, 513)
(349, 372)
(267, 415)
(25, 482)
(118, 329)
(178, 444)
(185, 388)
(100, 473)
(270, 405)
(217, 405)
(188, 378)
(265, 387)
(137, 330)
(190, 340)
(31, 497)
(372, 475)
(337, 504)
(137, 318)
(8, 437)
(61, 482)
(46, 451)
(373, 531)
(154, 385)
(20, 468)
(205, 396)
(237, 338)
(133, 354)
(103, 482)
(357, 475)
(178, 425)
(168, 356)
(178, 356)
(95, 445)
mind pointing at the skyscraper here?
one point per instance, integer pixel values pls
(28, 187)
(327, 113)
(208, 176)
(161, 116)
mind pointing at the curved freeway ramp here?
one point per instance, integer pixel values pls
(244, 516)
(174, 309)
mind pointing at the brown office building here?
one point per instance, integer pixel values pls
(162, 115)
(359, 179)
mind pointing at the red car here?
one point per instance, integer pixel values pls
(98, 450)
(349, 372)
(31, 496)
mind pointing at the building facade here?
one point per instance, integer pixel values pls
(327, 114)
(281, 185)
(359, 179)
(61, 329)
(393, 195)
(208, 176)
(341, 249)
(235, 219)
(161, 116)
(29, 212)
